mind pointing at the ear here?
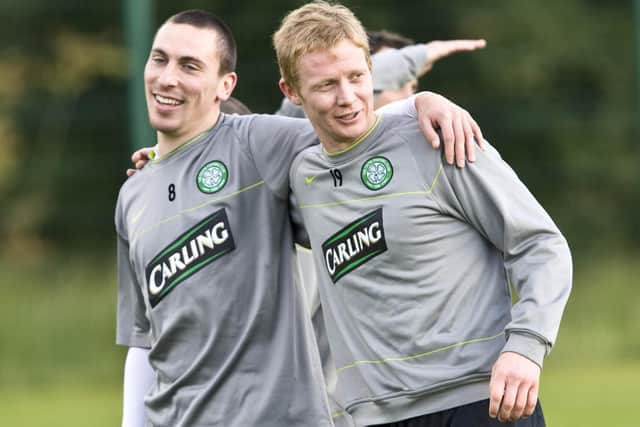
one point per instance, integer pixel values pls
(226, 85)
(290, 92)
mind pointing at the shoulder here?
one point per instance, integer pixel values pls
(310, 157)
(401, 126)
(270, 122)
(134, 187)
(269, 133)
(402, 136)
(133, 184)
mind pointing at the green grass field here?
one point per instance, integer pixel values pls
(61, 406)
(586, 395)
(580, 396)
(59, 365)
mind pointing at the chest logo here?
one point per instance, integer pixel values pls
(212, 177)
(376, 173)
(354, 245)
(196, 248)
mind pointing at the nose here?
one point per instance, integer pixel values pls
(346, 94)
(168, 76)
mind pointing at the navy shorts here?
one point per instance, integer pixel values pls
(474, 414)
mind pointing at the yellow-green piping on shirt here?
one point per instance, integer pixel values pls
(356, 142)
(384, 196)
(157, 158)
(338, 414)
(416, 356)
(194, 208)
(303, 249)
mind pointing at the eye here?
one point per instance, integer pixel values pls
(189, 66)
(158, 59)
(324, 86)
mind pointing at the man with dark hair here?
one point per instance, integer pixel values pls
(205, 286)
(206, 294)
(382, 39)
(226, 43)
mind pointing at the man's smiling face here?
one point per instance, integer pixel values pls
(336, 92)
(182, 81)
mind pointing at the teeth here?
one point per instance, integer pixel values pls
(167, 101)
(348, 116)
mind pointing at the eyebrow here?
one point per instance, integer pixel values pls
(181, 59)
(325, 81)
(158, 50)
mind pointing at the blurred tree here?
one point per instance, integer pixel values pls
(56, 54)
(552, 91)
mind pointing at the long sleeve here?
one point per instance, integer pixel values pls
(488, 195)
(393, 68)
(138, 378)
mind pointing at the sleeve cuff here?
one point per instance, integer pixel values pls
(527, 346)
(141, 340)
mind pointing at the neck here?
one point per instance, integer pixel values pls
(168, 141)
(333, 148)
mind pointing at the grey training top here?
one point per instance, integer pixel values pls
(414, 261)
(205, 258)
(393, 68)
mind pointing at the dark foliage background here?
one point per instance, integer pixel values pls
(554, 91)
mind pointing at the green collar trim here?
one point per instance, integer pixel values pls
(356, 142)
(156, 158)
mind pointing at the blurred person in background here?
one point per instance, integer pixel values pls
(398, 62)
(234, 106)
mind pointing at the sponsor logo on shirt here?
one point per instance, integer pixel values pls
(212, 177)
(376, 173)
(198, 247)
(354, 245)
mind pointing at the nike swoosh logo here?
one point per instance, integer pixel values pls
(137, 216)
(309, 179)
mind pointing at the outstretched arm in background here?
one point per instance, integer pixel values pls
(438, 49)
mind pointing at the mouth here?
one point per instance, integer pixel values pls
(348, 117)
(167, 100)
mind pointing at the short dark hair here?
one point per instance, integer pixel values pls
(384, 38)
(202, 19)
